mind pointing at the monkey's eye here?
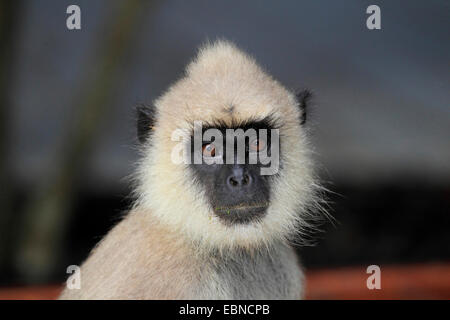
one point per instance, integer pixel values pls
(209, 150)
(257, 145)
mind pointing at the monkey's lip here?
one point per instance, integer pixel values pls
(242, 213)
(241, 207)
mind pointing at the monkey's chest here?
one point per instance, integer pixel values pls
(256, 277)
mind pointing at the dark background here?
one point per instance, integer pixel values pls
(380, 122)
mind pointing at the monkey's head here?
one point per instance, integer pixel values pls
(225, 154)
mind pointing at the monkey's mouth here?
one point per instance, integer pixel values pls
(241, 213)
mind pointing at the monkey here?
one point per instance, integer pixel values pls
(219, 230)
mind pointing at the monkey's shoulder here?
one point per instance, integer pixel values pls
(137, 259)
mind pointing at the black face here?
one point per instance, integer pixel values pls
(238, 193)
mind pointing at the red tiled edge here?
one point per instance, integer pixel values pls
(430, 281)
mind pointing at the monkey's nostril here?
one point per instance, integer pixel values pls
(239, 180)
(233, 182)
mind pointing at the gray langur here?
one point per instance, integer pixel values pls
(216, 230)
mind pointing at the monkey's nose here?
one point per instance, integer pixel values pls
(239, 178)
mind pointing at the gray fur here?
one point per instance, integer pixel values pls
(272, 273)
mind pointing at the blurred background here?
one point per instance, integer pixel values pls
(380, 125)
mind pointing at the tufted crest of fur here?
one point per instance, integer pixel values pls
(224, 84)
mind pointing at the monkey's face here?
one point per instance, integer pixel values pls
(245, 178)
(230, 169)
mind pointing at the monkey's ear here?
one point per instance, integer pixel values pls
(303, 99)
(146, 117)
